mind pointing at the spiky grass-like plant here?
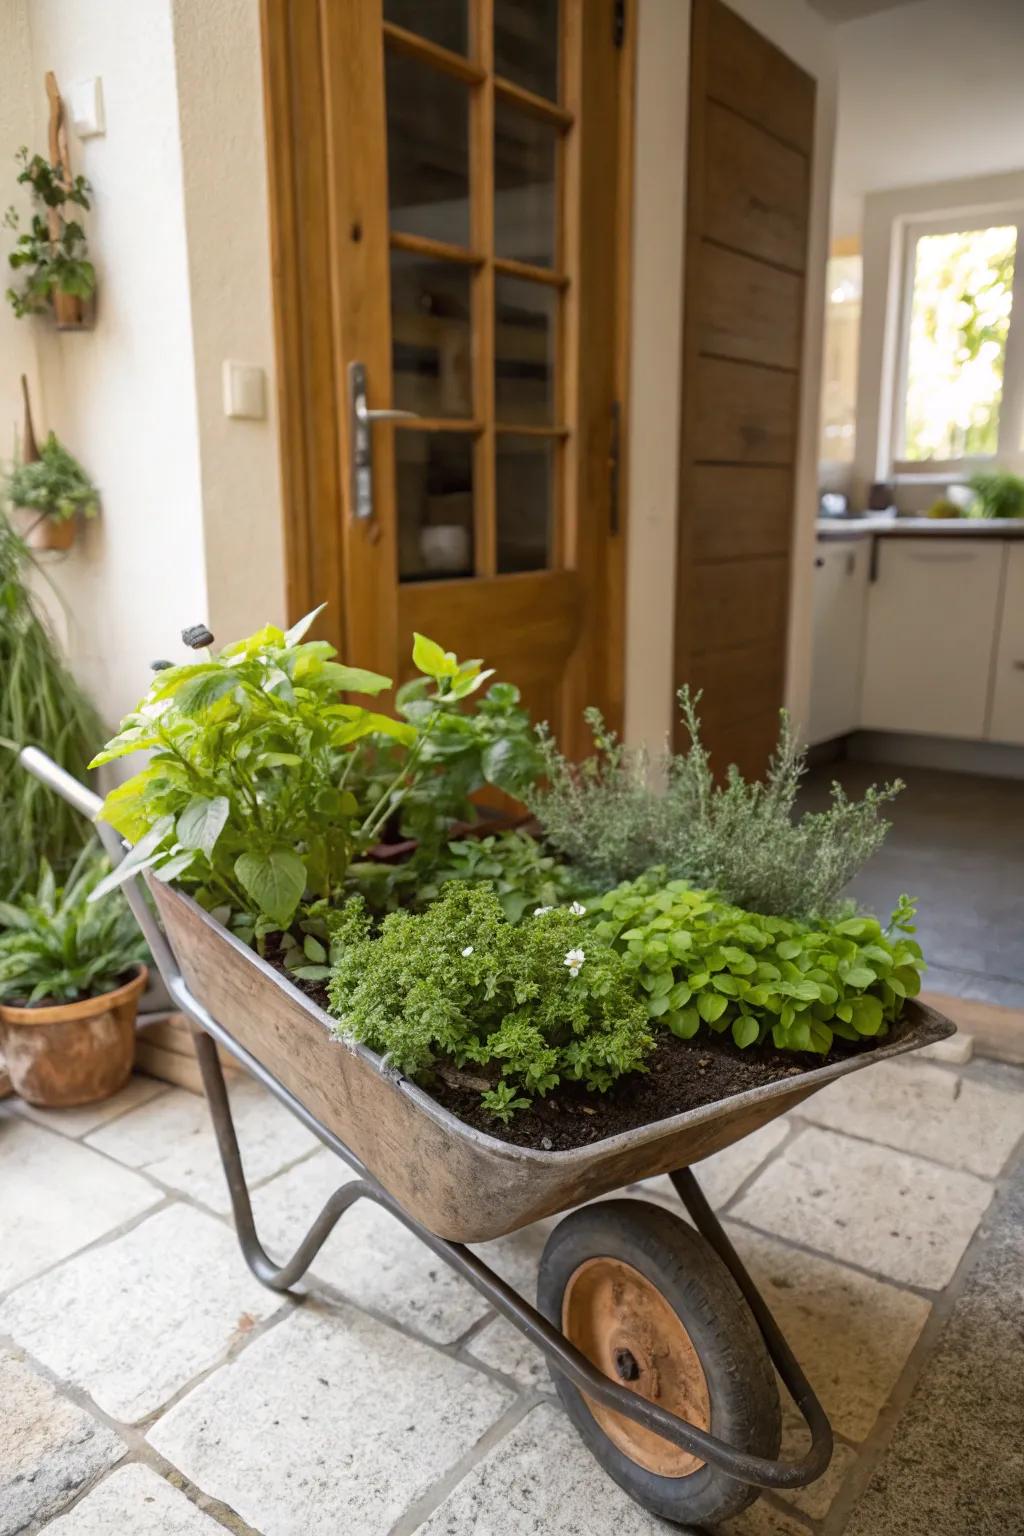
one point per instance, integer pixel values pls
(41, 705)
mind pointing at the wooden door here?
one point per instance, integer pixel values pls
(449, 212)
(748, 196)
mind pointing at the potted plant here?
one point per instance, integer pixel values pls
(51, 257)
(998, 494)
(71, 974)
(50, 492)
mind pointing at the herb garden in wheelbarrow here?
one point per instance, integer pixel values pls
(496, 1020)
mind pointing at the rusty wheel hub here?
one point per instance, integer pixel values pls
(624, 1326)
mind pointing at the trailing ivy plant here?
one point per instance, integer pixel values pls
(512, 1010)
(57, 946)
(618, 814)
(253, 795)
(54, 485)
(700, 961)
(49, 261)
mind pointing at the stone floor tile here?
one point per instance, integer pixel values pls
(331, 1422)
(133, 1320)
(89, 1117)
(884, 1210)
(956, 1051)
(370, 1256)
(49, 1447)
(173, 1140)
(539, 1480)
(516, 1257)
(721, 1176)
(955, 1463)
(851, 1334)
(504, 1349)
(924, 1109)
(817, 1498)
(762, 1519)
(135, 1501)
(56, 1196)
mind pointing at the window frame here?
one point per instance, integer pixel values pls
(1009, 451)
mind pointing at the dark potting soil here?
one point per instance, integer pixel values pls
(681, 1075)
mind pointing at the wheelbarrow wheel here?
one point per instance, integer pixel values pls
(650, 1303)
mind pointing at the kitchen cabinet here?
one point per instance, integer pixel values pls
(1007, 717)
(840, 601)
(930, 635)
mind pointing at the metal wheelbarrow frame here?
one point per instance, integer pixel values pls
(240, 983)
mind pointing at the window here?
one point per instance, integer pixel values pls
(959, 397)
(839, 369)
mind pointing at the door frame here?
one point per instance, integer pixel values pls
(321, 547)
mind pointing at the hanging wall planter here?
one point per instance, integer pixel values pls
(49, 490)
(51, 256)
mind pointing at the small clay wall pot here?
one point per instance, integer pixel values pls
(72, 1053)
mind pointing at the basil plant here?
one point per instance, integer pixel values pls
(264, 783)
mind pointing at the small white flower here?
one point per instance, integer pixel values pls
(540, 911)
(574, 959)
(577, 909)
(467, 951)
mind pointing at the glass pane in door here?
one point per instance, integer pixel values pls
(525, 501)
(428, 150)
(526, 44)
(524, 351)
(430, 336)
(434, 488)
(524, 186)
(439, 21)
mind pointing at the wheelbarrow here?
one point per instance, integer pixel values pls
(660, 1346)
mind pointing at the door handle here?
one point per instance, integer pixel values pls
(361, 421)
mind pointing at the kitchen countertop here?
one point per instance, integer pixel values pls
(912, 527)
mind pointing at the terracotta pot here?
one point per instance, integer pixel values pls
(72, 313)
(43, 532)
(72, 1053)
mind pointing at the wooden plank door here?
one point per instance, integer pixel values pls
(451, 169)
(748, 197)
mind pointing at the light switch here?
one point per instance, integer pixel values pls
(245, 391)
(85, 105)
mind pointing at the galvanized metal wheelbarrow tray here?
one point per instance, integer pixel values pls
(446, 1181)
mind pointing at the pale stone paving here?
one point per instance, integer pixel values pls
(391, 1402)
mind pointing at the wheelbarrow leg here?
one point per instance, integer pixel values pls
(797, 1385)
(276, 1277)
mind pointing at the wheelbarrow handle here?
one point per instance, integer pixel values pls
(89, 804)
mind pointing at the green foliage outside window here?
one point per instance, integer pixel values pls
(959, 322)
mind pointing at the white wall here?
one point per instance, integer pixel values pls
(658, 243)
(220, 93)
(927, 92)
(191, 524)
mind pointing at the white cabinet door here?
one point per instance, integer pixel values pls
(930, 635)
(1007, 722)
(840, 597)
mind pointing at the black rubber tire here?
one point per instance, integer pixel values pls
(744, 1399)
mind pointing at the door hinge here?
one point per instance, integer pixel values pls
(614, 467)
(619, 23)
